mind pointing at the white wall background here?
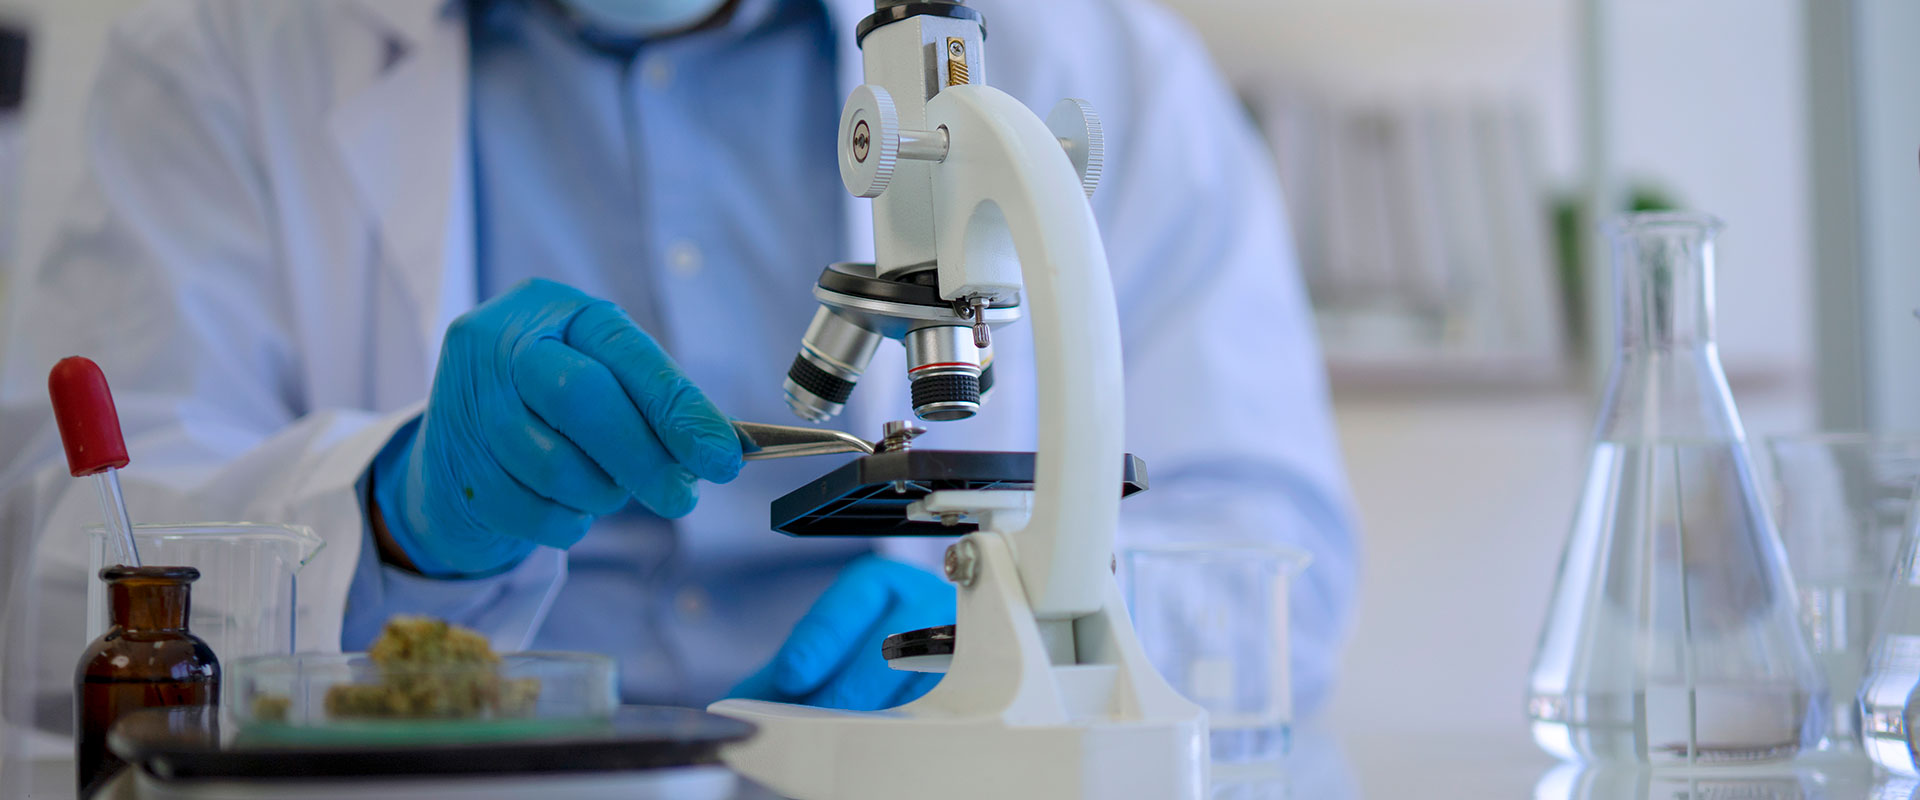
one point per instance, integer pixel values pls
(1708, 97)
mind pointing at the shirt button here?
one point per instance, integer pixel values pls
(659, 73)
(683, 257)
(691, 602)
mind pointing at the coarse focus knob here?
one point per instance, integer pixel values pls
(869, 141)
(1077, 126)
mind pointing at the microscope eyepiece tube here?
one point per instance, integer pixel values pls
(833, 355)
(944, 367)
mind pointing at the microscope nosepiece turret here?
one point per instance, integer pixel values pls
(949, 352)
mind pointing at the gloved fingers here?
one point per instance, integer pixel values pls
(688, 424)
(827, 639)
(760, 686)
(910, 690)
(501, 505)
(866, 683)
(543, 460)
(672, 492)
(920, 600)
(540, 294)
(581, 399)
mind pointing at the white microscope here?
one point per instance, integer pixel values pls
(1047, 693)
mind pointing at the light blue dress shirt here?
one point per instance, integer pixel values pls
(642, 173)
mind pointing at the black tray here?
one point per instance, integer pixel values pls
(868, 496)
(184, 744)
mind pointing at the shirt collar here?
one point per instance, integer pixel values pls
(744, 18)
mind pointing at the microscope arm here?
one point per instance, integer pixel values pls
(1006, 189)
(1047, 694)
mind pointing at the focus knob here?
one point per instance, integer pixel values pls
(869, 141)
(1077, 126)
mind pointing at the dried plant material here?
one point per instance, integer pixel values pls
(429, 669)
(272, 707)
(427, 642)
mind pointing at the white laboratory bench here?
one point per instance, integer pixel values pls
(1502, 762)
(1441, 765)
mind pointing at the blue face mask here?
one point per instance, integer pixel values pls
(643, 17)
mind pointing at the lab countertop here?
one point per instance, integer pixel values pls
(1503, 762)
(1443, 765)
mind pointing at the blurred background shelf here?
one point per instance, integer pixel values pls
(1424, 233)
(1421, 146)
(1439, 157)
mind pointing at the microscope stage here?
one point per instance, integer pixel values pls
(869, 495)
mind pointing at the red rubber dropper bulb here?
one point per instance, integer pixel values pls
(89, 425)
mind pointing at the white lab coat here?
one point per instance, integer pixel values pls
(277, 228)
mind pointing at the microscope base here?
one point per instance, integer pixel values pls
(882, 756)
(1005, 722)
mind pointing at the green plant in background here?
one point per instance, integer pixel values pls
(1573, 243)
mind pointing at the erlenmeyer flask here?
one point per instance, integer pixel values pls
(1671, 638)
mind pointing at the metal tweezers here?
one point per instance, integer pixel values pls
(762, 441)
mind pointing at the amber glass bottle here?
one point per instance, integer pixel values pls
(146, 659)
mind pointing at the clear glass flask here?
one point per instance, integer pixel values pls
(1671, 638)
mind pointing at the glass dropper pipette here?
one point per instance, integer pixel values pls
(90, 431)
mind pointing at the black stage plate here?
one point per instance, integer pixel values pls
(184, 744)
(859, 498)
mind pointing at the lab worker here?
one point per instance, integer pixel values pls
(472, 288)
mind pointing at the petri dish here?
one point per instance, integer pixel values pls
(345, 699)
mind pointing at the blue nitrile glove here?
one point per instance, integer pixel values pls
(832, 659)
(549, 408)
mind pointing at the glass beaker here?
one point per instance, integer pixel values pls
(1213, 619)
(244, 602)
(1671, 637)
(1888, 713)
(1843, 500)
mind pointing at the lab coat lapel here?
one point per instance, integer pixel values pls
(403, 141)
